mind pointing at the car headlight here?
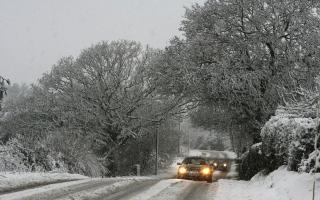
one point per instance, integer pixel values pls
(205, 170)
(182, 170)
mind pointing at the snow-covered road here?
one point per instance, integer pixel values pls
(119, 189)
(158, 187)
(171, 189)
(278, 185)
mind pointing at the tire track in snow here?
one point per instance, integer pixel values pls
(173, 191)
(55, 191)
(130, 191)
(74, 189)
(197, 191)
(33, 185)
(156, 189)
(187, 190)
(101, 192)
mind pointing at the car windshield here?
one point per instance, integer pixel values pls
(195, 161)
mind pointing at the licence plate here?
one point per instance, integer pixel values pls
(193, 173)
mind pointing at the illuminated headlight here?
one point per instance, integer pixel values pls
(225, 164)
(182, 170)
(205, 170)
(215, 164)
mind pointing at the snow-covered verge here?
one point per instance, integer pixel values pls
(278, 185)
(13, 181)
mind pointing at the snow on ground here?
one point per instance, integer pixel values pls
(38, 190)
(122, 184)
(174, 189)
(21, 180)
(102, 187)
(279, 185)
(155, 189)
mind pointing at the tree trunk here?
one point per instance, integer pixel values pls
(115, 163)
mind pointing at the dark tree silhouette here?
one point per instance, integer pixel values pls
(3, 88)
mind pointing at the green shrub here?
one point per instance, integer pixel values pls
(252, 162)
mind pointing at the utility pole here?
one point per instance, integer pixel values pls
(179, 138)
(157, 151)
(188, 143)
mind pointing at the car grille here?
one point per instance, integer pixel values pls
(193, 169)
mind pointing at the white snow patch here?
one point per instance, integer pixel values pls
(279, 185)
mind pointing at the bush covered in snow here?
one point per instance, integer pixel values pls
(287, 140)
(11, 157)
(308, 164)
(17, 155)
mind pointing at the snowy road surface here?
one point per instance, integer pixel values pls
(278, 185)
(158, 187)
(123, 189)
(168, 190)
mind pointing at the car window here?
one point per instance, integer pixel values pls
(195, 161)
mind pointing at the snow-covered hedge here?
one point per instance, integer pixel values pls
(11, 159)
(287, 140)
(16, 157)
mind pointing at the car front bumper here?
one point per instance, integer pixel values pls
(195, 175)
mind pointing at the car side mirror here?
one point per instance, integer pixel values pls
(178, 163)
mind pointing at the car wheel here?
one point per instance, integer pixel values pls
(209, 180)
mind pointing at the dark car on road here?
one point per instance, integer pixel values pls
(220, 164)
(196, 168)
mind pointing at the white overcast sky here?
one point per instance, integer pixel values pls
(34, 34)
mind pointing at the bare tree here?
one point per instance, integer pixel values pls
(107, 94)
(244, 57)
